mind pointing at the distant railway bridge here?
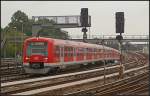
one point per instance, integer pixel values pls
(96, 38)
(112, 38)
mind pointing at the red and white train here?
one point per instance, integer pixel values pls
(42, 55)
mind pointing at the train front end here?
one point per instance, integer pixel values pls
(36, 55)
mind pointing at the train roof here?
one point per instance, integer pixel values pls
(70, 43)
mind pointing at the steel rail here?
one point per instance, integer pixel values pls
(53, 79)
(7, 76)
(104, 87)
(126, 86)
(30, 80)
(142, 87)
(70, 84)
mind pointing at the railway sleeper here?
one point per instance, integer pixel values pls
(104, 87)
(59, 80)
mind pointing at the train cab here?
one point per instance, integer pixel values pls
(36, 55)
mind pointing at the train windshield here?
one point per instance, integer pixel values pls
(37, 48)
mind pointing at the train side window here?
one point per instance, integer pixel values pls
(86, 51)
(62, 51)
(69, 51)
(89, 50)
(78, 52)
(57, 51)
(74, 51)
(65, 51)
(81, 51)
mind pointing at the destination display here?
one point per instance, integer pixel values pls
(38, 43)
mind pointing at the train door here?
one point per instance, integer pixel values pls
(84, 53)
(74, 54)
(61, 54)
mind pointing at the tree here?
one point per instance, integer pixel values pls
(28, 27)
(2, 29)
(17, 16)
(21, 22)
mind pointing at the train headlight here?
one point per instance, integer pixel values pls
(27, 58)
(46, 59)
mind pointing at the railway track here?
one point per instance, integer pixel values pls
(31, 86)
(130, 85)
(21, 75)
(10, 66)
(116, 88)
(13, 75)
(55, 84)
(137, 89)
(139, 57)
(10, 71)
(54, 79)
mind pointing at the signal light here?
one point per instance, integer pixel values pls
(84, 17)
(119, 22)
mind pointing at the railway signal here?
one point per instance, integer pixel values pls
(120, 29)
(120, 22)
(84, 19)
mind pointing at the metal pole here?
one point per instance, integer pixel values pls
(104, 68)
(89, 32)
(22, 39)
(22, 45)
(121, 65)
(104, 61)
(84, 30)
(147, 51)
(5, 36)
(15, 41)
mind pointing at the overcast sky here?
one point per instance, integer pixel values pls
(102, 14)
